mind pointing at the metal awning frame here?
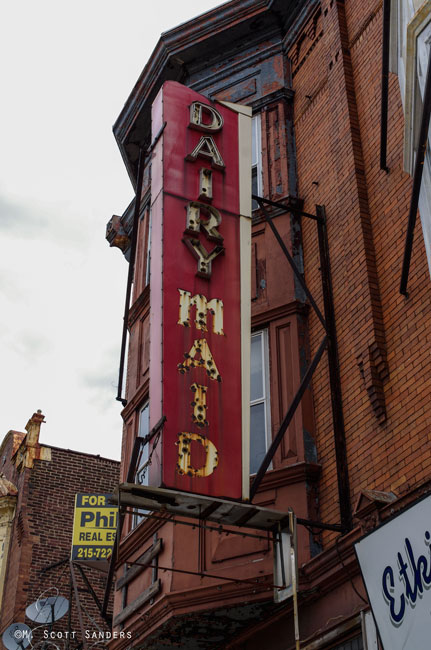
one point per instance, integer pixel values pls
(204, 574)
(280, 527)
(74, 591)
(200, 507)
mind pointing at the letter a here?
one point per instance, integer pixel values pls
(207, 148)
(206, 361)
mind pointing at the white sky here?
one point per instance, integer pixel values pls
(67, 69)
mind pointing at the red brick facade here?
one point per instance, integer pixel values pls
(47, 479)
(312, 70)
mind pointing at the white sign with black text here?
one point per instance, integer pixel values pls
(395, 561)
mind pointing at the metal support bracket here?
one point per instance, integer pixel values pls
(330, 343)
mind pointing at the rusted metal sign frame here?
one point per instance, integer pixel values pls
(78, 604)
(417, 180)
(90, 589)
(215, 357)
(222, 512)
(330, 342)
(72, 564)
(141, 166)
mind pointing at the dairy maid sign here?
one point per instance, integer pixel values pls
(200, 293)
(395, 561)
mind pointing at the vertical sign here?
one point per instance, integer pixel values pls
(200, 293)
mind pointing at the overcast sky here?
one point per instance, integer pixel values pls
(67, 69)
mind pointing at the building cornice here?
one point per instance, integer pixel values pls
(221, 28)
(338, 563)
(289, 475)
(137, 399)
(235, 68)
(260, 319)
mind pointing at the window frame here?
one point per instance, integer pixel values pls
(409, 26)
(256, 156)
(409, 19)
(148, 251)
(140, 515)
(266, 397)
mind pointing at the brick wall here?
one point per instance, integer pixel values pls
(42, 535)
(383, 338)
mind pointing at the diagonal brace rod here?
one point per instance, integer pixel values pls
(106, 617)
(292, 263)
(143, 158)
(287, 419)
(133, 244)
(417, 180)
(78, 605)
(288, 207)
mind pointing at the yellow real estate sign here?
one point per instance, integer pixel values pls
(94, 527)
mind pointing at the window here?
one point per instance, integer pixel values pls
(410, 46)
(369, 631)
(147, 267)
(259, 400)
(142, 465)
(256, 158)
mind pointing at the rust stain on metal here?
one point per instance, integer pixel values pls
(184, 465)
(199, 405)
(116, 235)
(200, 215)
(205, 184)
(203, 306)
(205, 360)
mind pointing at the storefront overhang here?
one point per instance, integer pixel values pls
(195, 506)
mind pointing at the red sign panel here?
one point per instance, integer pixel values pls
(200, 276)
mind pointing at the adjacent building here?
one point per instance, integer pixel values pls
(356, 450)
(38, 484)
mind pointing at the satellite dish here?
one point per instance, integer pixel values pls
(17, 636)
(47, 610)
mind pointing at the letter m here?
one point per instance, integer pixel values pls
(202, 307)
